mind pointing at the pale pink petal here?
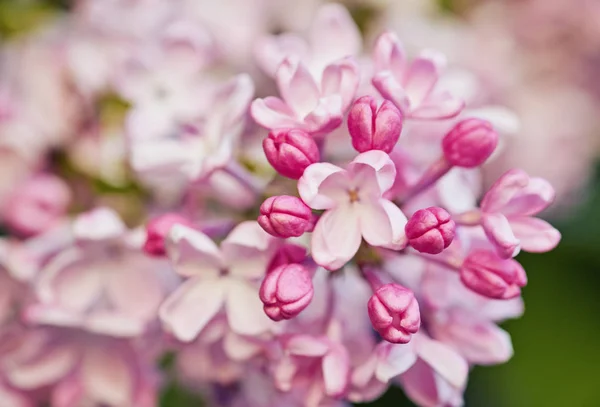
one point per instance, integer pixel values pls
(272, 113)
(334, 34)
(248, 249)
(500, 233)
(297, 87)
(53, 315)
(388, 54)
(336, 371)
(98, 224)
(392, 90)
(341, 78)
(306, 345)
(375, 225)
(187, 311)
(438, 106)
(107, 378)
(160, 156)
(245, 310)
(424, 387)
(399, 358)
(69, 281)
(193, 253)
(536, 235)
(336, 237)
(480, 342)
(398, 221)
(149, 121)
(271, 50)
(114, 324)
(503, 190)
(143, 302)
(325, 117)
(336, 187)
(240, 348)
(444, 360)
(531, 200)
(384, 167)
(45, 370)
(14, 398)
(419, 80)
(284, 373)
(310, 182)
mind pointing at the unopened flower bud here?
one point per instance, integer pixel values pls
(290, 151)
(489, 275)
(372, 128)
(36, 205)
(286, 291)
(394, 313)
(430, 230)
(285, 216)
(157, 230)
(470, 143)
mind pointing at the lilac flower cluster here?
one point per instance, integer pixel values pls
(311, 248)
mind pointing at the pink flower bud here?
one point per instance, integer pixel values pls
(372, 128)
(470, 143)
(290, 151)
(285, 216)
(286, 291)
(36, 205)
(157, 229)
(489, 275)
(394, 313)
(430, 230)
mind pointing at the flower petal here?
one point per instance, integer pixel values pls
(375, 225)
(384, 167)
(187, 311)
(389, 55)
(341, 78)
(444, 360)
(438, 106)
(399, 359)
(503, 190)
(193, 253)
(531, 200)
(499, 231)
(387, 85)
(107, 378)
(419, 80)
(336, 237)
(336, 371)
(536, 235)
(272, 113)
(310, 183)
(248, 249)
(245, 310)
(297, 87)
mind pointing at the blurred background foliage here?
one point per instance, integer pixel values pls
(557, 350)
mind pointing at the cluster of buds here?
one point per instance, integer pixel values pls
(347, 258)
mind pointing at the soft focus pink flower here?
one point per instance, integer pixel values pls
(36, 205)
(219, 278)
(373, 128)
(313, 104)
(354, 207)
(88, 285)
(412, 87)
(508, 210)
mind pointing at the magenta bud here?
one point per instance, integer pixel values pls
(470, 143)
(290, 151)
(430, 230)
(157, 230)
(484, 272)
(394, 313)
(285, 216)
(372, 128)
(286, 291)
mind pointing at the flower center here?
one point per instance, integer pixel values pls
(353, 193)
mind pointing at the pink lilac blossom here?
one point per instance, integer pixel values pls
(309, 248)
